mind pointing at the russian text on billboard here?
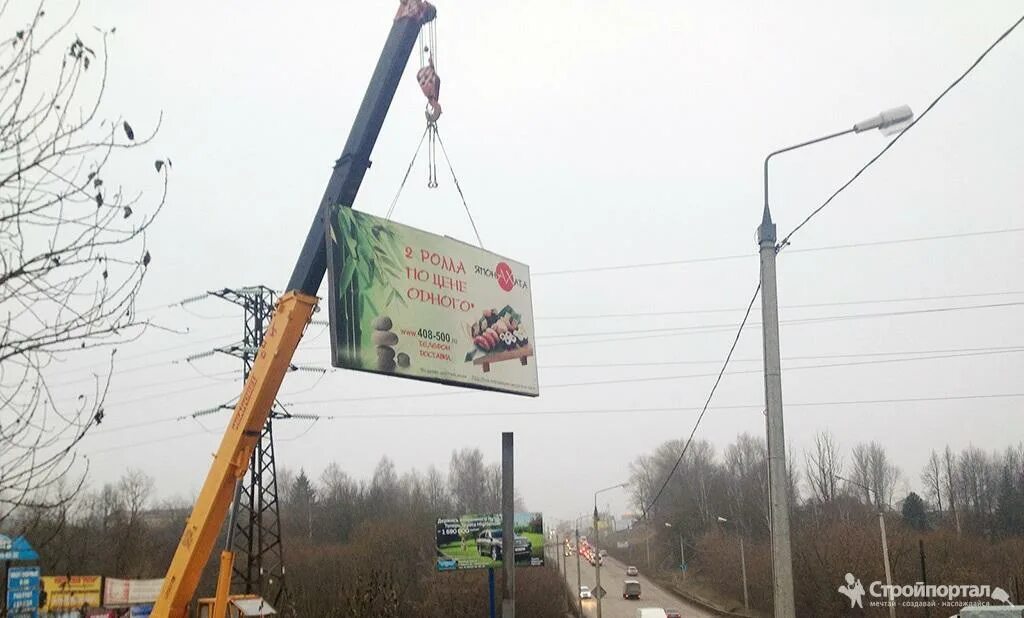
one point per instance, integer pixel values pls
(409, 303)
(475, 541)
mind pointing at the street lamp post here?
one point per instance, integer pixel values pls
(579, 571)
(885, 542)
(597, 548)
(743, 563)
(782, 556)
(682, 550)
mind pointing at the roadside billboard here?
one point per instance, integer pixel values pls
(475, 541)
(72, 592)
(125, 592)
(15, 549)
(23, 591)
(408, 303)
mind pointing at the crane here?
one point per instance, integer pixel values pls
(292, 314)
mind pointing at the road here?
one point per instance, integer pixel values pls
(614, 606)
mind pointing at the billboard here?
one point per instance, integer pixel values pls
(125, 592)
(17, 548)
(475, 541)
(408, 303)
(23, 591)
(72, 592)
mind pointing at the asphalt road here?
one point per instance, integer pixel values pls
(613, 605)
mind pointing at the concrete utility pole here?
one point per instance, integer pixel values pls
(885, 541)
(682, 549)
(778, 477)
(597, 561)
(782, 553)
(508, 536)
(743, 561)
(579, 582)
(597, 547)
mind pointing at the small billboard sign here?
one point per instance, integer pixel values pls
(16, 549)
(475, 541)
(23, 591)
(125, 592)
(72, 592)
(412, 304)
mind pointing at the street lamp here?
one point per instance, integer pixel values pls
(782, 553)
(579, 572)
(743, 562)
(682, 550)
(885, 541)
(597, 559)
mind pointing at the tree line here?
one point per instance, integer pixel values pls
(967, 525)
(353, 547)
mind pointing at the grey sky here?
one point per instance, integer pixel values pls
(587, 134)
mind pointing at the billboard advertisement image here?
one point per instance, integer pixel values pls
(475, 541)
(408, 303)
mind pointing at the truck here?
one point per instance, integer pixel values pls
(631, 589)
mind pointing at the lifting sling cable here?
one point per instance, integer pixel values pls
(430, 84)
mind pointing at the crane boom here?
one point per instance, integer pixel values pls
(291, 316)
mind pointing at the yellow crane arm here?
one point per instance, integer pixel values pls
(231, 461)
(290, 318)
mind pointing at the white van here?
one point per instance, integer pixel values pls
(650, 612)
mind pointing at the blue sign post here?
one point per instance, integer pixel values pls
(23, 592)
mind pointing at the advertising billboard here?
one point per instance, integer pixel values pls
(23, 591)
(475, 541)
(72, 592)
(408, 303)
(16, 549)
(125, 592)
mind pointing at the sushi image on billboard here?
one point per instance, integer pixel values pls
(412, 304)
(475, 541)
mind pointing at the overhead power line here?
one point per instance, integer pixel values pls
(674, 409)
(606, 382)
(786, 240)
(901, 299)
(566, 412)
(648, 333)
(753, 254)
(911, 356)
(931, 355)
(711, 394)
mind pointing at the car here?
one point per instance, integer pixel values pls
(488, 543)
(632, 571)
(585, 592)
(630, 589)
(673, 613)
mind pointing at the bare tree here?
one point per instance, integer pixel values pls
(467, 480)
(823, 465)
(72, 245)
(931, 476)
(949, 476)
(872, 469)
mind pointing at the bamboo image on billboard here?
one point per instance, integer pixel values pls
(475, 541)
(413, 304)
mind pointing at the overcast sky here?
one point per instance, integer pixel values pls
(588, 134)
